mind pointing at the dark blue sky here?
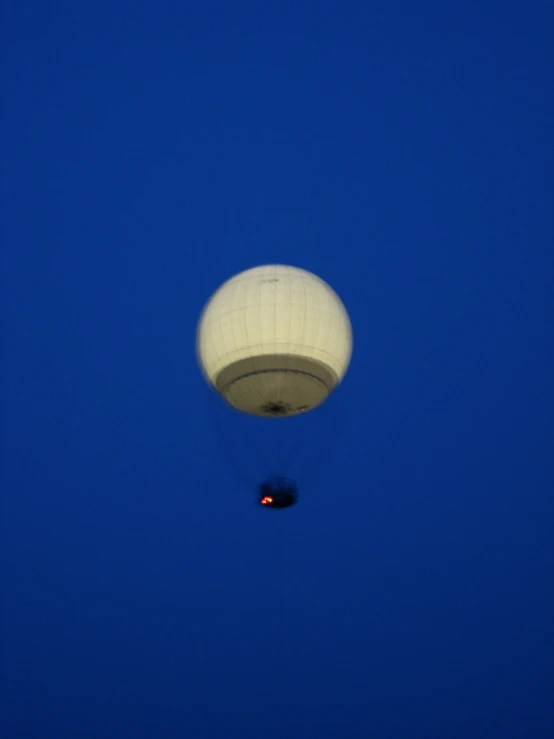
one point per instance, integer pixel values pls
(403, 152)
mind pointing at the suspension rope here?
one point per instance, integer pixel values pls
(231, 458)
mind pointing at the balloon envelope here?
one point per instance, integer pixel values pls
(274, 341)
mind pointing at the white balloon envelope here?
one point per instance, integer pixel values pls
(274, 341)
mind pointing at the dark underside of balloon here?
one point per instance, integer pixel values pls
(276, 386)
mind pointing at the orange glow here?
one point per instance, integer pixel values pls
(266, 500)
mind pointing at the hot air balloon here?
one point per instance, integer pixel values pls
(274, 341)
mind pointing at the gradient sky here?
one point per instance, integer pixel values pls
(403, 152)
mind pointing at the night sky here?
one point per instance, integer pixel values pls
(403, 152)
